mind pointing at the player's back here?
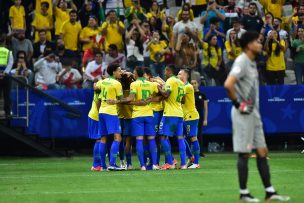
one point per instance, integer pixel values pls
(110, 90)
(93, 113)
(189, 109)
(125, 111)
(173, 105)
(142, 89)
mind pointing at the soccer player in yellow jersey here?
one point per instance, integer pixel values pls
(142, 117)
(125, 116)
(110, 95)
(43, 21)
(172, 121)
(93, 129)
(17, 16)
(191, 117)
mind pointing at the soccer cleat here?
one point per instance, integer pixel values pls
(97, 168)
(143, 168)
(115, 168)
(190, 161)
(248, 198)
(167, 166)
(129, 167)
(183, 167)
(123, 164)
(174, 162)
(273, 196)
(193, 166)
(155, 167)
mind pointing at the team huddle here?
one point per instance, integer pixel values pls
(129, 105)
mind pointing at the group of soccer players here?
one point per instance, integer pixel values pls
(136, 105)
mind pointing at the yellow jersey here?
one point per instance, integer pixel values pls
(40, 22)
(155, 48)
(275, 8)
(142, 89)
(18, 17)
(88, 33)
(113, 35)
(125, 111)
(173, 105)
(237, 50)
(110, 89)
(215, 55)
(189, 109)
(70, 33)
(157, 106)
(61, 18)
(93, 114)
(274, 62)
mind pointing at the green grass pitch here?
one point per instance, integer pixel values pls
(60, 180)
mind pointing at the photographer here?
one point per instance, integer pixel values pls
(21, 68)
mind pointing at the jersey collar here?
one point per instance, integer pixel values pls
(141, 79)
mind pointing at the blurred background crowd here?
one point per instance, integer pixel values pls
(69, 43)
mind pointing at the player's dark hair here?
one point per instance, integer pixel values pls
(252, 4)
(148, 72)
(112, 68)
(47, 5)
(97, 52)
(173, 69)
(247, 38)
(113, 47)
(140, 72)
(209, 46)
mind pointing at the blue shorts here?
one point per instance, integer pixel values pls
(93, 129)
(190, 128)
(109, 124)
(143, 126)
(126, 126)
(157, 118)
(171, 126)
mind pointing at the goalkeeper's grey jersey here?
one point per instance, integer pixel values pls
(247, 86)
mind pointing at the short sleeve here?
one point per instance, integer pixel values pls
(98, 84)
(104, 25)
(203, 96)
(133, 88)
(118, 89)
(82, 34)
(238, 69)
(168, 85)
(11, 12)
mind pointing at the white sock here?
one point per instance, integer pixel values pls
(244, 192)
(270, 189)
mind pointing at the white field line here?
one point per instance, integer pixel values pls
(134, 173)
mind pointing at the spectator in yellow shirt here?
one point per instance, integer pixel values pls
(113, 30)
(273, 6)
(155, 11)
(233, 49)
(61, 12)
(275, 65)
(157, 50)
(43, 21)
(70, 32)
(17, 16)
(87, 36)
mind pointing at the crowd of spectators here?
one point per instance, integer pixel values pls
(69, 43)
